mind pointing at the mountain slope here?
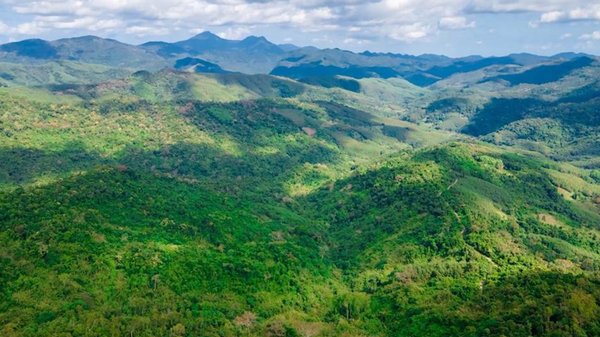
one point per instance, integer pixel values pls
(451, 240)
(85, 49)
(57, 72)
(427, 242)
(546, 73)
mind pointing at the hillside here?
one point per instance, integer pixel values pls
(464, 240)
(57, 73)
(549, 108)
(85, 49)
(215, 187)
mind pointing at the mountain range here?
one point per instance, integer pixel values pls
(214, 187)
(256, 55)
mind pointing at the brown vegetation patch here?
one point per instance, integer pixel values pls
(245, 320)
(309, 131)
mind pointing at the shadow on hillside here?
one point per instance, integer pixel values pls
(22, 165)
(545, 73)
(498, 113)
(263, 85)
(258, 145)
(189, 161)
(577, 109)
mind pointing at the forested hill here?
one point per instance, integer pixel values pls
(162, 191)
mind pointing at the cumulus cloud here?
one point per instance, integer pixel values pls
(591, 36)
(409, 33)
(235, 33)
(593, 13)
(403, 20)
(4, 28)
(456, 22)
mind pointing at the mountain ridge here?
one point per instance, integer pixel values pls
(252, 54)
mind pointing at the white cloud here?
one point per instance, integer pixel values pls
(455, 22)
(578, 13)
(552, 16)
(536, 6)
(235, 33)
(29, 28)
(356, 42)
(591, 36)
(403, 20)
(410, 33)
(4, 28)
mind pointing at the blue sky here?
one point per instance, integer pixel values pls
(451, 27)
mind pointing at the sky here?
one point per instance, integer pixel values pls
(449, 27)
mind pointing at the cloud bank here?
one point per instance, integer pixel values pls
(357, 22)
(404, 20)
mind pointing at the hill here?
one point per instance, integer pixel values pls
(464, 240)
(57, 72)
(158, 190)
(245, 249)
(85, 49)
(545, 108)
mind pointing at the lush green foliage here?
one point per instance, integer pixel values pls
(179, 204)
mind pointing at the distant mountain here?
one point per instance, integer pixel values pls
(325, 66)
(199, 66)
(468, 66)
(422, 70)
(164, 49)
(209, 53)
(288, 47)
(33, 48)
(546, 73)
(570, 55)
(316, 69)
(204, 42)
(339, 58)
(251, 55)
(471, 64)
(86, 49)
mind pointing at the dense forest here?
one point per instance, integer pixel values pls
(351, 202)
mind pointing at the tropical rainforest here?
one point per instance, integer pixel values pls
(214, 187)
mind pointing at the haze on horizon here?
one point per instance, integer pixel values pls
(449, 27)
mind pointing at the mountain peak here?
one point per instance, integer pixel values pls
(254, 38)
(261, 43)
(206, 35)
(88, 37)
